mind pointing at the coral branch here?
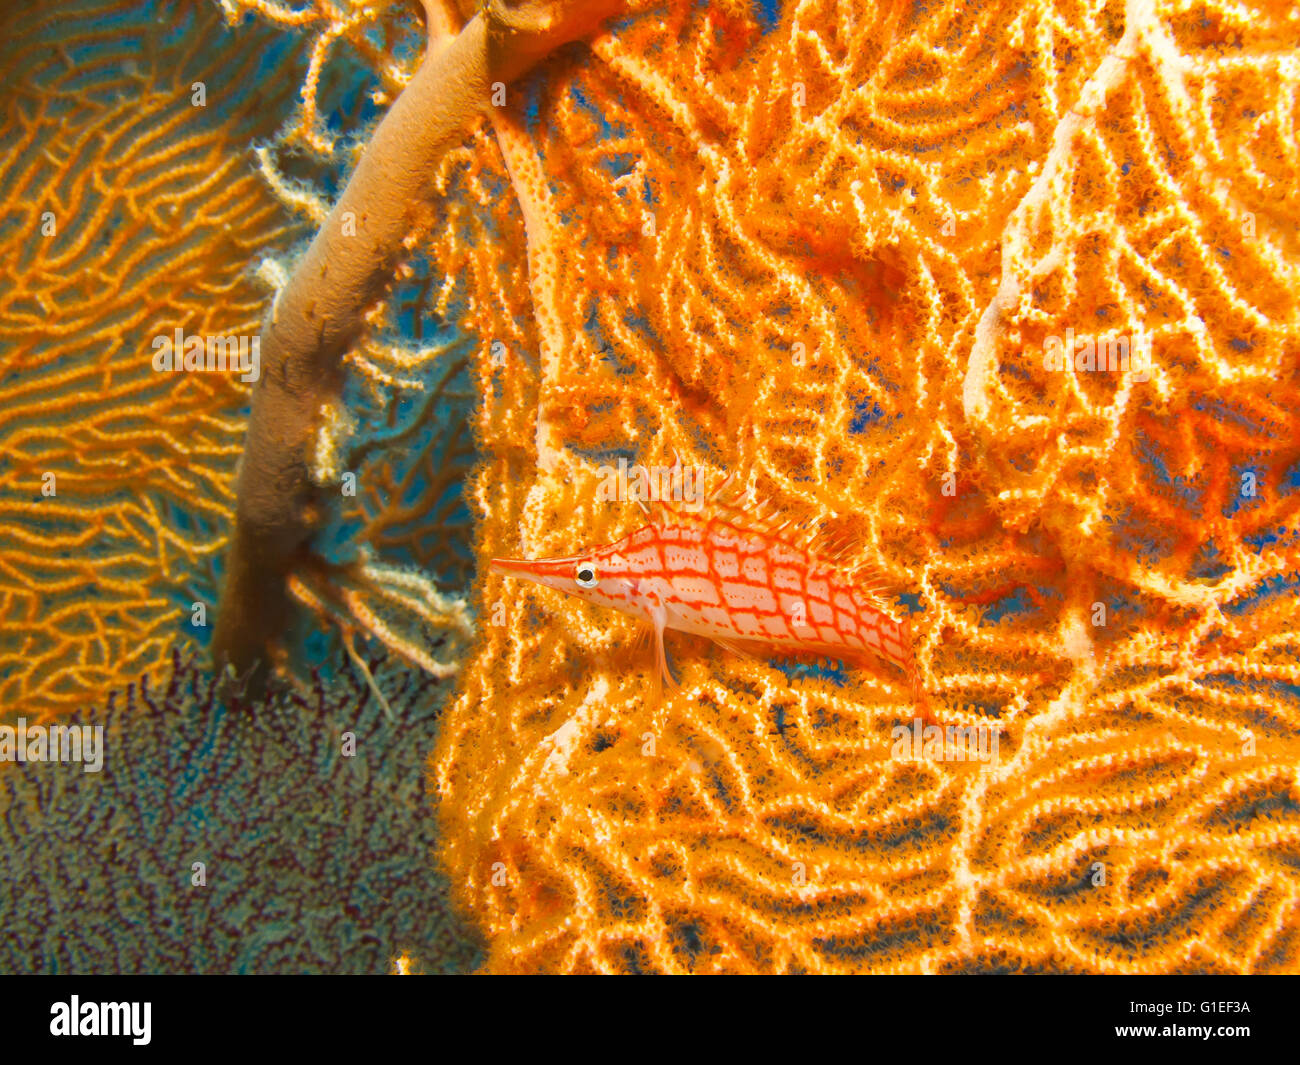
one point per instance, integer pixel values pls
(373, 227)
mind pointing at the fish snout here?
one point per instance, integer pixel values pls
(536, 569)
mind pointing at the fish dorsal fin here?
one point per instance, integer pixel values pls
(746, 510)
(798, 526)
(823, 538)
(870, 578)
(837, 549)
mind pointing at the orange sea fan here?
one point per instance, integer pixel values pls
(131, 208)
(827, 255)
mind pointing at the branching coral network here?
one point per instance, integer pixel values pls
(832, 254)
(129, 210)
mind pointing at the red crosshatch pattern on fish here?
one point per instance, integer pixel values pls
(737, 579)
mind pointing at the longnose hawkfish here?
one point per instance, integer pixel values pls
(735, 576)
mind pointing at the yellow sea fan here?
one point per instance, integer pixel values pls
(130, 210)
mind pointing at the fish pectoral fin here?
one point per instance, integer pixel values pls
(640, 641)
(665, 678)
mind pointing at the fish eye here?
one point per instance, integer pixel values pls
(586, 575)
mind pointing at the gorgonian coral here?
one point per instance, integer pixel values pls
(839, 253)
(335, 292)
(130, 209)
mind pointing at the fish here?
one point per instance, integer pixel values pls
(727, 572)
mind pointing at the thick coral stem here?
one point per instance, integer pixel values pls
(345, 271)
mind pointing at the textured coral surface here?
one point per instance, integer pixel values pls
(165, 213)
(824, 251)
(315, 861)
(129, 210)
